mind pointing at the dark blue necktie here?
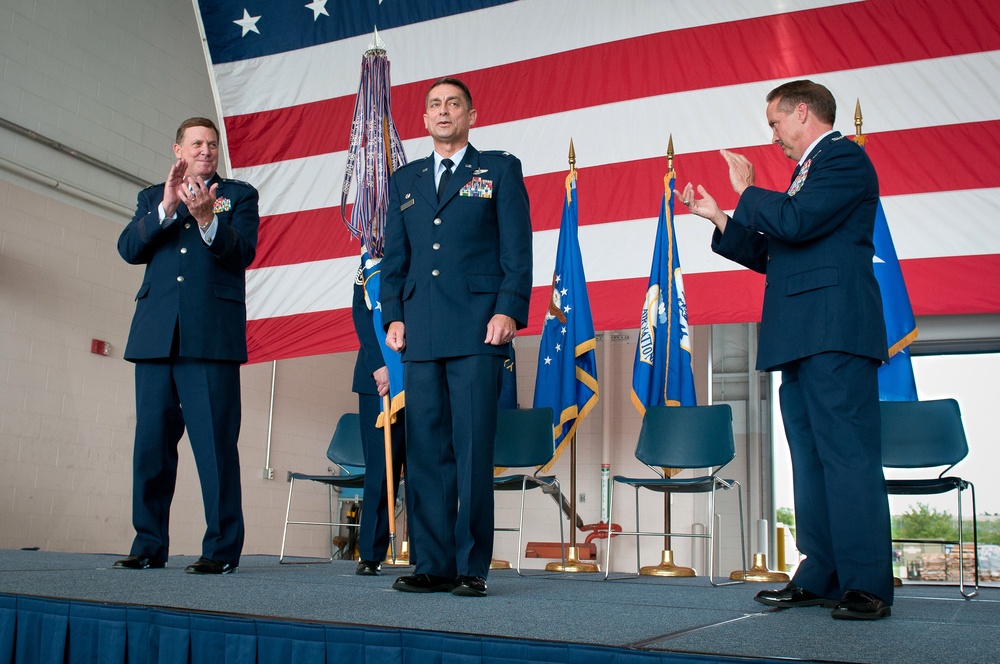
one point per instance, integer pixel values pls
(445, 177)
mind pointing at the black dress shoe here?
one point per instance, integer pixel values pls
(209, 566)
(792, 596)
(470, 586)
(861, 605)
(134, 561)
(423, 583)
(368, 568)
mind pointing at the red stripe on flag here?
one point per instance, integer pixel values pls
(953, 285)
(771, 47)
(909, 162)
(937, 286)
(300, 335)
(304, 236)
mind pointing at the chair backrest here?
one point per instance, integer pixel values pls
(686, 436)
(922, 434)
(524, 437)
(346, 448)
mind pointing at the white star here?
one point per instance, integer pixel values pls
(564, 330)
(548, 360)
(558, 348)
(378, 305)
(248, 23)
(318, 7)
(566, 309)
(558, 278)
(564, 292)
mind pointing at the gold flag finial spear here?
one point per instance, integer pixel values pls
(670, 153)
(571, 176)
(857, 118)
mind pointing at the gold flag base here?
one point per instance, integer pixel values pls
(402, 559)
(572, 564)
(666, 567)
(496, 563)
(759, 572)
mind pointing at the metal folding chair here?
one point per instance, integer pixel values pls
(524, 438)
(930, 434)
(346, 452)
(679, 438)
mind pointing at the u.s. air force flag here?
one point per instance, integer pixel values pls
(895, 378)
(566, 380)
(661, 374)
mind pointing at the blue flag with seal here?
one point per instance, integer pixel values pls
(661, 373)
(566, 380)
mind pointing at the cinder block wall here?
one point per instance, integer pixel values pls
(111, 80)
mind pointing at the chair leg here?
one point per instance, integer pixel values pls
(284, 532)
(638, 539)
(520, 526)
(711, 538)
(961, 546)
(329, 539)
(288, 510)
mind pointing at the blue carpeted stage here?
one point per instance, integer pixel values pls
(58, 607)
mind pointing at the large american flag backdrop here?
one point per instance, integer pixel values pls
(618, 78)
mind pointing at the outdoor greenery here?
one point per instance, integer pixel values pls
(923, 522)
(786, 516)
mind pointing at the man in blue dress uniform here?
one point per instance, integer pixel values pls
(822, 327)
(196, 234)
(456, 280)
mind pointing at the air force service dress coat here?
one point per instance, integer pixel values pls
(211, 320)
(815, 245)
(449, 267)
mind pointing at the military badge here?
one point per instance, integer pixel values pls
(800, 179)
(478, 188)
(222, 205)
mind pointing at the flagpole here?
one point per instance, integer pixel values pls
(390, 497)
(667, 566)
(572, 562)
